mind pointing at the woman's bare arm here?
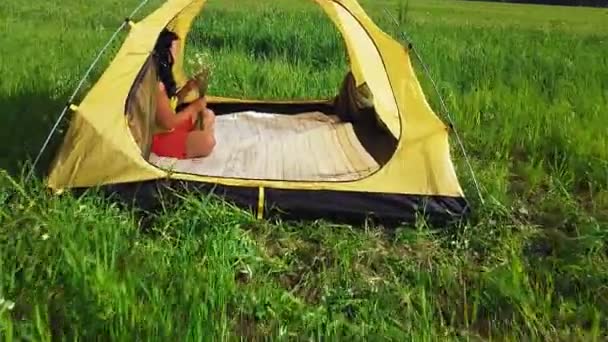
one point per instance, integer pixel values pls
(167, 118)
(183, 92)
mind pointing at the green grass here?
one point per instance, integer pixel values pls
(527, 87)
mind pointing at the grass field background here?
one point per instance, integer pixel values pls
(527, 87)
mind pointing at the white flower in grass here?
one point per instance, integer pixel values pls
(6, 304)
(282, 331)
(45, 236)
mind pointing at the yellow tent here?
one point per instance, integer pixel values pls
(377, 148)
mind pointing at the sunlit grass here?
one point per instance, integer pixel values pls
(527, 88)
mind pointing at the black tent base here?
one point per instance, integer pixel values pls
(389, 210)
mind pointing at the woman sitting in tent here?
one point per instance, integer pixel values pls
(180, 138)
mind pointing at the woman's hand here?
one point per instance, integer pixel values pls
(187, 88)
(201, 103)
(191, 84)
(198, 108)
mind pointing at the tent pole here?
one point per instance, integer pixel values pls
(443, 105)
(80, 84)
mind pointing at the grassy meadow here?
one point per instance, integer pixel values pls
(527, 87)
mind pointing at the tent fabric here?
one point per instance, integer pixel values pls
(366, 61)
(140, 103)
(109, 135)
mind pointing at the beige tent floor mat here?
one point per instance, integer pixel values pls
(302, 147)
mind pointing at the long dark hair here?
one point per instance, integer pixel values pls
(164, 60)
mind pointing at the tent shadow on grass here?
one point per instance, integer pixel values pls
(27, 120)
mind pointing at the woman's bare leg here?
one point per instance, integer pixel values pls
(208, 119)
(200, 143)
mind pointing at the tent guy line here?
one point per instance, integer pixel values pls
(443, 105)
(69, 103)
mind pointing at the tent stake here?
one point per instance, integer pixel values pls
(69, 103)
(443, 105)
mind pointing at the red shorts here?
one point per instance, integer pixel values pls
(172, 144)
